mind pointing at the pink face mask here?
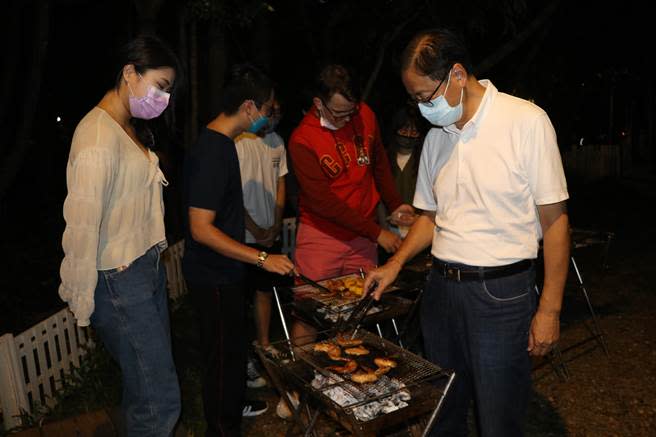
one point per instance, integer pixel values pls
(149, 106)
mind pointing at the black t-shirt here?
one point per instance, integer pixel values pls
(212, 180)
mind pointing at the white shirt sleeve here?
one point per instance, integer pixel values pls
(283, 162)
(88, 179)
(424, 197)
(541, 159)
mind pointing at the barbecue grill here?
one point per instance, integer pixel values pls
(325, 311)
(414, 387)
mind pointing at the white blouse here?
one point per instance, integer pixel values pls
(114, 209)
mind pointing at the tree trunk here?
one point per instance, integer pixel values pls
(14, 161)
(261, 41)
(528, 60)
(650, 101)
(147, 11)
(12, 37)
(308, 32)
(183, 53)
(216, 66)
(387, 39)
(193, 80)
(509, 47)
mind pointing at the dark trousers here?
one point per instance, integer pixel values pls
(222, 319)
(480, 330)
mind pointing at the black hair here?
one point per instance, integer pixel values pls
(333, 79)
(433, 52)
(147, 52)
(246, 82)
(407, 114)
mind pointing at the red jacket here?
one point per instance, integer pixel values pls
(336, 195)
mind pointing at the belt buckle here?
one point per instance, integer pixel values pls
(452, 273)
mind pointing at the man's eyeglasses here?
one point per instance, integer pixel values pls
(428, 100)
(340, 115)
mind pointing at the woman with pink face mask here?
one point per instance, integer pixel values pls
(111, 275)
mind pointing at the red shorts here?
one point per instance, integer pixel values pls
(320, 256)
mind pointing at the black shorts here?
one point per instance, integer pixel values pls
(259, 279)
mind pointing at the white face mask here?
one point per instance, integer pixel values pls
(440, 113)
(324, 121)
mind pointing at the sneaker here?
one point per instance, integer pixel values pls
(282, 410)
(254, 408)
(253, 377)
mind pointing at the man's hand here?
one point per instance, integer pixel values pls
(382, 276)
(544, 333)
(389, 241)
(279, 264)
(404, 215)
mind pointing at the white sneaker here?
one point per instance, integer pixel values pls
(254, 408)
(253, 377)
(282, 410)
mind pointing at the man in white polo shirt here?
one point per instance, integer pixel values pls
(491, 186)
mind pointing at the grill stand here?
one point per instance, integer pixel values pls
(423, 399)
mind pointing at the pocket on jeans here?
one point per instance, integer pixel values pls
(132, 285)
(113, 273)
(509, 288)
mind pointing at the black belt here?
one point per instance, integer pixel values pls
(452, 272)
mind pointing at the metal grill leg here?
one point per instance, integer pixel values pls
(595, 325)
(557, 363)
(433, 416)
(396, 331)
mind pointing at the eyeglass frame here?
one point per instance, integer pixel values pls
(428, 101)
(354, 111)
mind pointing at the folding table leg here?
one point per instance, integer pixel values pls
(595, 325)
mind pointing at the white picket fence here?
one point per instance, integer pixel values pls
(33, 363)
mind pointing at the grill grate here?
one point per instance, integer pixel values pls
(336, 303)
(411, 371)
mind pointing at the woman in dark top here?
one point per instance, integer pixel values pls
(404, 142)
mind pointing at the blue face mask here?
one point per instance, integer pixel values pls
(258, 124)
(441, 113)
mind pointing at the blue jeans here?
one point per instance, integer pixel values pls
(480, 329)
(132, 319)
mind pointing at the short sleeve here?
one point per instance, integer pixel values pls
(207, 179)
(542, 162)
(424, 198)
(283, 162)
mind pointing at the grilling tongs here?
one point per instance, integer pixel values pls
(359, 312)
(313, 283)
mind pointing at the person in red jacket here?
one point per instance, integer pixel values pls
(343, 172)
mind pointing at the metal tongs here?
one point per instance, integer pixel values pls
(314, 283)
(360, 311)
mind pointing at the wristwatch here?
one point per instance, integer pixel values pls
(261, 257)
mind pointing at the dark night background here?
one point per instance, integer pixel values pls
(585, 64)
